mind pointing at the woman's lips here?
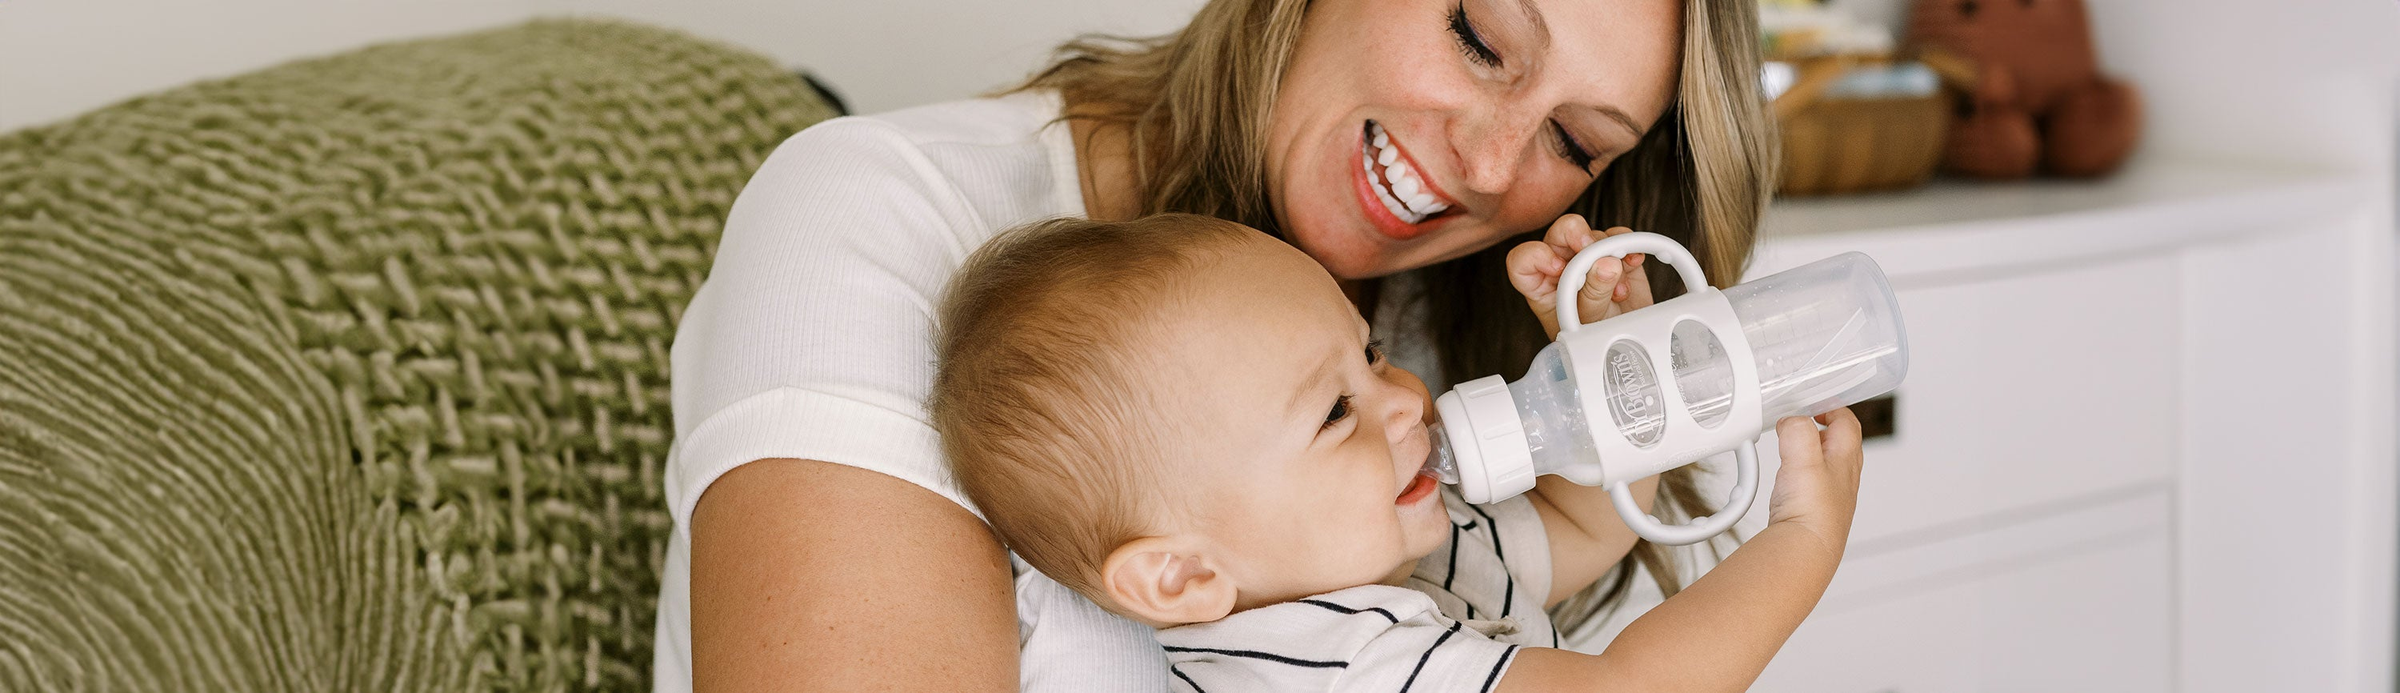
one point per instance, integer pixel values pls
(1380, 217)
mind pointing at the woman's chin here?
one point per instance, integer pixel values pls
(1350, 256)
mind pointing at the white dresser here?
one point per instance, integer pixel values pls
(2145, 443)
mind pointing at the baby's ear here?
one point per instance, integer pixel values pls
(1167, 582)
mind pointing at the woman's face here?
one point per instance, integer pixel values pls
(1408, 132)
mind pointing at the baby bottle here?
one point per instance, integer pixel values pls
(1597, 408)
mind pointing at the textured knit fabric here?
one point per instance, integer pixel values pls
(350, 374)
(1455, 628)
(813, 339)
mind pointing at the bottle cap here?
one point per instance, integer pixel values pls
(1480, 420)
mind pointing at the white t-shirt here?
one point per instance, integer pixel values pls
(813, 339)
(1457, 626)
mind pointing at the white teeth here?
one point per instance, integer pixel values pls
(1399, 187)
(1394, 206)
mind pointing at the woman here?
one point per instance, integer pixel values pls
(820, 543)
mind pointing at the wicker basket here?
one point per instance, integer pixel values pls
(1851, 145)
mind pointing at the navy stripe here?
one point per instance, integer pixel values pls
(1196, 685)
(1437, 644)
(1469, 526)
(1269, 656)
(1453, 573)
(1497, 550)
(1347, 610)
(1496, 667)
(1508, 600)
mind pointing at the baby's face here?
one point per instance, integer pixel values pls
(1299, 450)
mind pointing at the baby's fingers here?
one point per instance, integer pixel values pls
(1796, 438)
(1533, 269)
(1842, 442)
(1569, 234)
(1601, 287)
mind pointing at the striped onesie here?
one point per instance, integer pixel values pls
(1466, 610)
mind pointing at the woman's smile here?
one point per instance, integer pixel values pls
(1401, 200)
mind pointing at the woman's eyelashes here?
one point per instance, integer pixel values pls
(1469, 41)
(1375, 352)
(1570, 148)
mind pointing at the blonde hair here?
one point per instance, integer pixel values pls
(1038, 398)
(1196, 104)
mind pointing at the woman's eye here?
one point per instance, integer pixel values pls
(1570, 149)
(1341, 410)
(1470, 42)
(1374, 352)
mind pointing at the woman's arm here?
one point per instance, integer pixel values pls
(824, 577)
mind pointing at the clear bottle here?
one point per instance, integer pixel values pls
(1821, 336)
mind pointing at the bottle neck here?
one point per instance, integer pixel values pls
(1443, 462)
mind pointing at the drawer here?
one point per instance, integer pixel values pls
(2024, 394)
(2027, 609)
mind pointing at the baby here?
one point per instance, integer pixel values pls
(1183, 419)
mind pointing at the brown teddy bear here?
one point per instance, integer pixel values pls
(2037, 98)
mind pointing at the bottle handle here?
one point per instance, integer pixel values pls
(1745, 490)
(1570, 281)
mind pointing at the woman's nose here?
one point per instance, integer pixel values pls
(1492, 147)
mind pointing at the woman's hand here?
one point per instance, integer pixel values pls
(1613, 287)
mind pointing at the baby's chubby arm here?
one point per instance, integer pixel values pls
(1586, 537)
(1719, 633)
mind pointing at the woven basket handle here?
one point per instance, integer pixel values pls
(1816, 74)
(1957, 71)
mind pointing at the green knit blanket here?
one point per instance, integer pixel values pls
(351, 374)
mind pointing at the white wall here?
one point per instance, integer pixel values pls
(2215, 74)
(2211, 69)
(885, 54)
(62, 57)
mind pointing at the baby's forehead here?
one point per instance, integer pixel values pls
(1238, 346)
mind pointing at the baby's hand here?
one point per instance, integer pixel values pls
(1817, 487)
(1613, 287)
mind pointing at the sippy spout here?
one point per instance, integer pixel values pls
(1439, 459)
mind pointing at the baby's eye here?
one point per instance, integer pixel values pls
(1374, 352)
(1341, 410)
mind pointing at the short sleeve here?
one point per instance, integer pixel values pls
(812, 336)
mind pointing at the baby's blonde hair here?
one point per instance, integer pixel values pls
(1038, 398)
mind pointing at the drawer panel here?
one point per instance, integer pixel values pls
(2091, 616)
